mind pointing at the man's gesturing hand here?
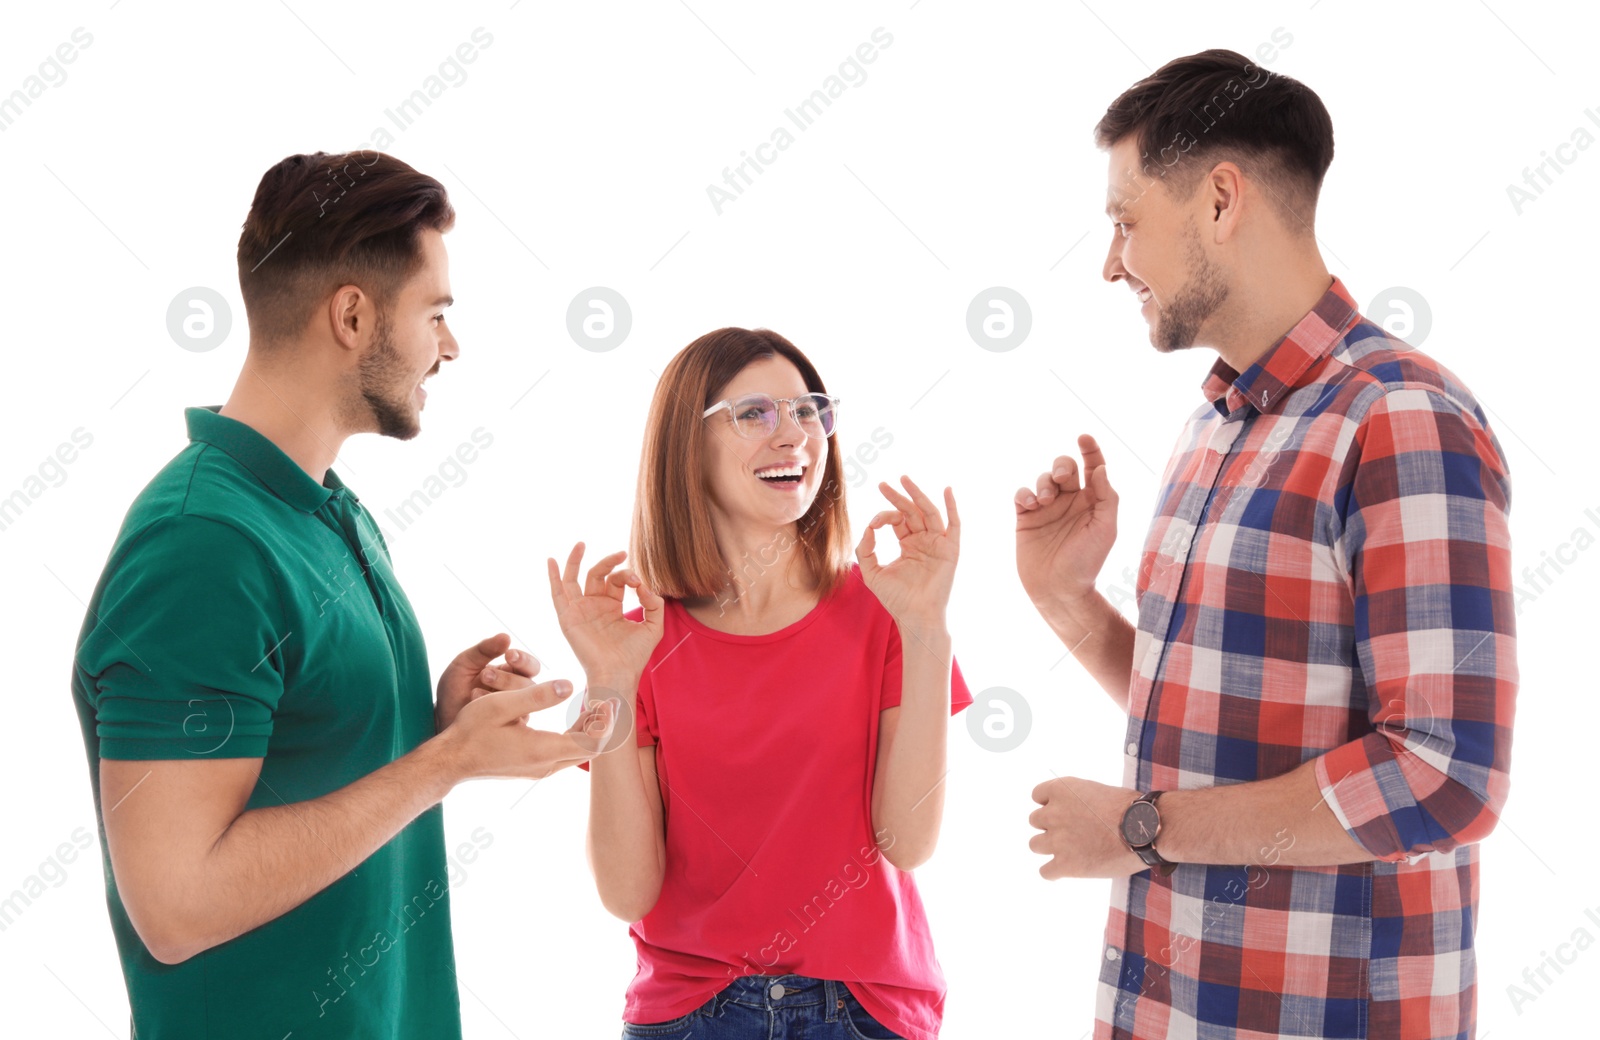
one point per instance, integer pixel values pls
(490, 736)
(1082, 825)
(1065, 530)
(468, 670)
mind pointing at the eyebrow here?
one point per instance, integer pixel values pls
(444, 301)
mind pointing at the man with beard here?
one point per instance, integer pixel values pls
(1320, 684)
(253, 689)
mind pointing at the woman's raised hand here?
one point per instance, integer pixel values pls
(914, 588)
(612, 650)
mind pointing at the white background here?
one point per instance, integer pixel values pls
(577, 152)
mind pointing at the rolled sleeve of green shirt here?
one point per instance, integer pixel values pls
(185, 652)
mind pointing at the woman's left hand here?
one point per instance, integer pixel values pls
(915, 588)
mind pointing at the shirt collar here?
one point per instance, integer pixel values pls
(1287, 362)
(252, 450)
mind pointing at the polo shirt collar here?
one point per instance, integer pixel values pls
(256, 453)
(1287, 363)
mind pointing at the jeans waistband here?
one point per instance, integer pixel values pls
(763, 991)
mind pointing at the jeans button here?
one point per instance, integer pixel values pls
(777, 991)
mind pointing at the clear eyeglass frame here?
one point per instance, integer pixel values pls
(827, 404)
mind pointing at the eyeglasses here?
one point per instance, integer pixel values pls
(756, 415)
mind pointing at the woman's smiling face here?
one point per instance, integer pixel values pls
(734, 463)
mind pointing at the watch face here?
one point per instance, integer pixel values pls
(1139, 824)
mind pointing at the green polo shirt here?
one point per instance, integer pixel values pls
(247, 611)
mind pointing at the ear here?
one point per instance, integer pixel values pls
(1224, 192)
(351, 317)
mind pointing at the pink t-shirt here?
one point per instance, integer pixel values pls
(766, 748)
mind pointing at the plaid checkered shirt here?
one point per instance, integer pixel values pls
(1327, 577)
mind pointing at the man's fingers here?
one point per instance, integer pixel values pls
(523, 663)
(1062, 479)
(1090, 449)
(493, 646)
(1065, 473)
(519, 667)
(1102, 484)
(486, 650)
(596, 727)
(510, 704)
(557, 750)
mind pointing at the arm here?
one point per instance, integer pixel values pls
(908, 787)
(1267, 822)
(196, 869)
(1100, 638)
(1064, 534)
(627, 838)
(908, 790)
(1428, 553)
(1282, 820)
(1427, 548)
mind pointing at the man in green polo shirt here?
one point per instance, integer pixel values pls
(266, 754)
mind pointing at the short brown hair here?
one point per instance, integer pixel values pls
(1225, 107)
(324, 220)
(673, 543)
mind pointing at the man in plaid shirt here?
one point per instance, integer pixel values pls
(1320, 685)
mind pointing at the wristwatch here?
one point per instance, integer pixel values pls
(1141, 825)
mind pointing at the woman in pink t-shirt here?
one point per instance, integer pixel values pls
(789, 754)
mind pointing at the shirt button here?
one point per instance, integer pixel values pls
(1133, 747)
(777, 991)
(1111, 953)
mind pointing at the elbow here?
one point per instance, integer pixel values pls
(905, 852)
(904, 859)
(166, 941)
(630, 907)
(170, 953)
(1453, 815)
(170, 931)
(627, 898)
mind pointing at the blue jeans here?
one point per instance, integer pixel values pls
(772, 1007)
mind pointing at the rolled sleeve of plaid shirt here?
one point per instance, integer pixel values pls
(1326, 579)
(1428, 552)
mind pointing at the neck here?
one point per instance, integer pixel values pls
(293, 405)
(1269, 299)
(767, 571)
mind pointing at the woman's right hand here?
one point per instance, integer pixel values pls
(612, 650)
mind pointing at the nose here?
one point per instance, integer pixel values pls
(449, 349)
(789, 431)
(1113, 269)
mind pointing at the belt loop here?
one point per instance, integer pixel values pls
(832, 998)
